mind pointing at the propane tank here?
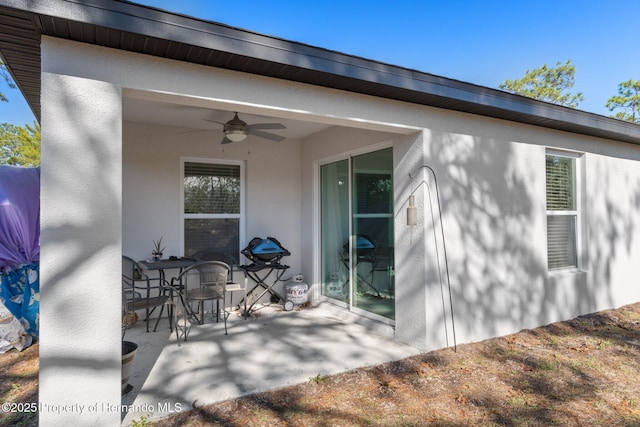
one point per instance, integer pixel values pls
(297, 292)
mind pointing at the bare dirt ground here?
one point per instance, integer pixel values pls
(582, 372)
(19, 385)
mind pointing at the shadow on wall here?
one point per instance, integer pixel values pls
(493, 206)
(613, 212)
(74, 238)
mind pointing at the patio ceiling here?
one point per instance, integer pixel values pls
(190, 117)
(128, 26)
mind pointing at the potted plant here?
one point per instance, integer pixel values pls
(129, 350)
(158, 249)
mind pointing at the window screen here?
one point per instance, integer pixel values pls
(562, 214)
(211, 188)
(561, 183)
(212, 208)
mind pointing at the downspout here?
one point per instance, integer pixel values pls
(411, 217)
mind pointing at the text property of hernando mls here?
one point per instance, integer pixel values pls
(164, 408)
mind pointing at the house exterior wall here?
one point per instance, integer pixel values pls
(85, 145)
(97, 173)
(491, 177)
(492, 186)
(152, 184)
(421, 315)
(81, 201)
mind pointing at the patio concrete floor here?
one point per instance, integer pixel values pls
(270, 350)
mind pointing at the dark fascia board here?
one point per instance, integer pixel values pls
(280, 58)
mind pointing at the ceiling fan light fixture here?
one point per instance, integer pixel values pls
(236, 135)
(236, 130)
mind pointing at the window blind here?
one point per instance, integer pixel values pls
(219, 235)
(211, 169)
(561, 241)
(212, 202)
(562, 212)
(560, 184)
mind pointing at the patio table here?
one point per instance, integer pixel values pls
(182, 263)
(167, 264)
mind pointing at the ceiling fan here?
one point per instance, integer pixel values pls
(236, 130)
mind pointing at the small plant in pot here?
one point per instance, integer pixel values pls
(158, 249)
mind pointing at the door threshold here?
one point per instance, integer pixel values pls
(345, 315)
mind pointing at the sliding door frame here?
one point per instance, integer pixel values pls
(317, 224)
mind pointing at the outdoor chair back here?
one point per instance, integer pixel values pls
(201, 282)
(140, 292)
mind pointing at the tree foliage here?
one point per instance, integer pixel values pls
(7, 78)
(20, 146)
(211, 194)
(547, 84)
(627, 101)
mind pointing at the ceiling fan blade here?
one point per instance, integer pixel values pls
(226, 140)
(267, 135)
(214, 121)
(195, 131)
(267, 126)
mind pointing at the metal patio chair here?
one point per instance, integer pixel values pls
(140, 292)
(201, 282)
(227, 258)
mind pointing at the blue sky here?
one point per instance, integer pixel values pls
(482, 42)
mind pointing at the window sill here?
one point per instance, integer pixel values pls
(567, 274)
(559, 271)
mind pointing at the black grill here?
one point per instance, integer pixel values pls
(265, 256)
(364, 247)
(265, 251)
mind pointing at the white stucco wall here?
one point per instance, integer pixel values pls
(152, 185)
(80, 266)
(111, 187)
(492, 182)
(491, 177)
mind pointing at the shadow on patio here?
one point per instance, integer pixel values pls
(270, 350)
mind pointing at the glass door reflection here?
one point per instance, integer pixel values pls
(357, 201)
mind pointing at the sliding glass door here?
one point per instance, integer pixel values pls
(335, 195)
(357, 232)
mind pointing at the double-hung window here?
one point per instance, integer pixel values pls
(213, 194)
(562, 210)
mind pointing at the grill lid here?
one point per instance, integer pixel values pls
(263, 250)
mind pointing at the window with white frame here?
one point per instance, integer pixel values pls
(213, 207)
(562, 210)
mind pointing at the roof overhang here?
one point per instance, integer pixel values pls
(128, 26)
